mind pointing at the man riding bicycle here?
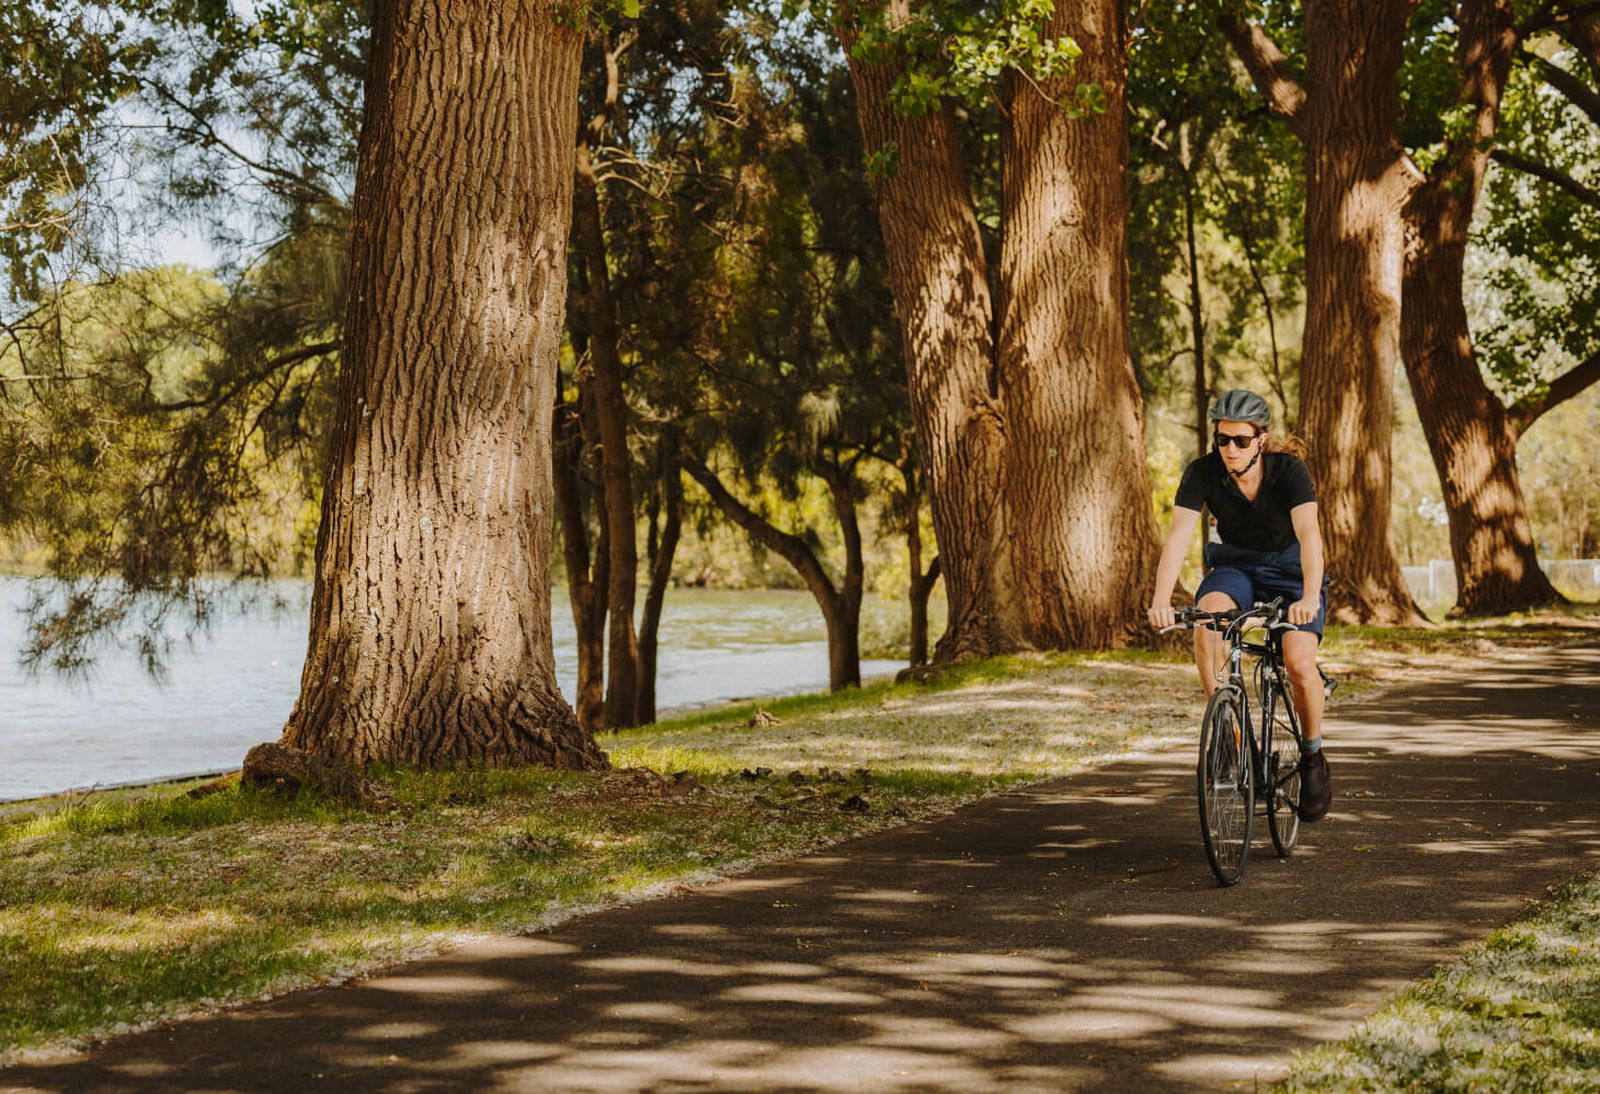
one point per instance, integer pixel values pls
(1265, 507)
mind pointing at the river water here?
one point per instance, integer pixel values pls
(235, 686)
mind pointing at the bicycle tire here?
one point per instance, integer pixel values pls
(1225, 778)
(1282, 788)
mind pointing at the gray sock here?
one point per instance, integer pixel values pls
(1311, 746)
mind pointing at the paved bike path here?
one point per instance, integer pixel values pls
(1065, 937)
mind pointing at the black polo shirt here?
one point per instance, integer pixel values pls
(1261, 525)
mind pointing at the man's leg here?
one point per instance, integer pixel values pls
(1208, 643)
(1300, 658)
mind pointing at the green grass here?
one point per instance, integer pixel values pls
(132, 905)
(1519, 1012)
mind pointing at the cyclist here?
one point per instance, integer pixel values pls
(1261, 497)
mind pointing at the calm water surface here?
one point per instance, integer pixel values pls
(235, 688)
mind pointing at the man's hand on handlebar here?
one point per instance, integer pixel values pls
(1163, 615)
(1303, 611)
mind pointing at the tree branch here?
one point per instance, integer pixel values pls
(1553, 175)
(221, 394)
(1274, 77)
(1551, 15)
(791, 547)
(1574, 381)
(1578, 93)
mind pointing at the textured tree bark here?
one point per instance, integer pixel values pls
(586, 579)
(1077, 489)
(1471, 437)
(1358, 179)
(663, 545)
(430, 622)
(939, 278)
(844, 662)
(611, 412)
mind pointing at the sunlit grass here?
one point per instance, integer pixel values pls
(1519, 1012)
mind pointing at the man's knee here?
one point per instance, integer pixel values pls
(1301, 661)
(1216, 602)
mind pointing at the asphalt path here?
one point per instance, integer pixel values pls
(1066, 937)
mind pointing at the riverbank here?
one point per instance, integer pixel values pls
(129, 908)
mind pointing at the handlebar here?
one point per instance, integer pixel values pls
(1272, 611)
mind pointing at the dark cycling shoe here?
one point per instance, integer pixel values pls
(1316, 793)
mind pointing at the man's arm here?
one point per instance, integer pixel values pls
(1179, 536)
(1309, 532)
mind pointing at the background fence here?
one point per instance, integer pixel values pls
(1434, 585)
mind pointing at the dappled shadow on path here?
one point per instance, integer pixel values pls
(1066, 937)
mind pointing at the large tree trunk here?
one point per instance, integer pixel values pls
(586, 586)
(430, 623)
(616, 468)
(938, 275)
(663, 545)
(1358, 179)
(1472, 438)
(1077, 488)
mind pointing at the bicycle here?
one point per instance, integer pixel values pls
(1235, 756)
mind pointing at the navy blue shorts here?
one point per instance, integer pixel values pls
(1247, 576)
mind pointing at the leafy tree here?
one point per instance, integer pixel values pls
(1002, 376)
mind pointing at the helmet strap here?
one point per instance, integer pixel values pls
(1245, 470)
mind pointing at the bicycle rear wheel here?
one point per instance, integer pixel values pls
(1282, 789)
(1226, 785)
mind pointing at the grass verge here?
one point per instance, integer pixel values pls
(133, 906)
(1519, 1012)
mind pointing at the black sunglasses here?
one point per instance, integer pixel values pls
(1238, 440)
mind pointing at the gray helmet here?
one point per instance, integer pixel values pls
(1239, 405)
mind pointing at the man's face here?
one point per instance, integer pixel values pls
(1238, 442)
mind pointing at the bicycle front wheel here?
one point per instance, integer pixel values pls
(1226, 781)
(1282, 790)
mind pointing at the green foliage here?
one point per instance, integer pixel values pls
(960, 52)
(1538, 260)
(1201, 145)
(142, 469)
(67, 65)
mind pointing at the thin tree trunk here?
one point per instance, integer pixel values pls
(430, 622)
(1358, 179)
(611, 410)
(797, 553)
(1197, 326)
(1253, 263)
(1077, 488)
(1472, 439)
(921, 584)
(585, 588)
(662, 548)
(844, 637)
(941, 290)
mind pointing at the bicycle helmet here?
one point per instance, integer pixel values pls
(1239, 405)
